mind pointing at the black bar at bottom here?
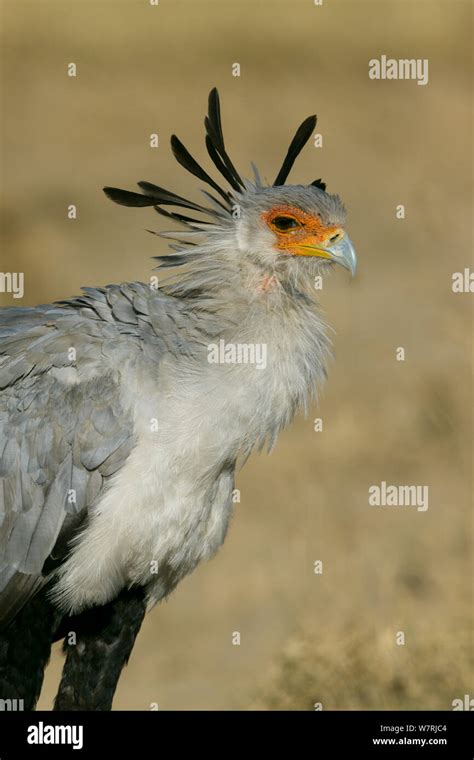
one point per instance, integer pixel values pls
(323, 734)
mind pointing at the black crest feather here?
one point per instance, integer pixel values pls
(181, 218)
(183, 157)
(303, 133)
(220, 165)
(153, 195)
(160, 196)
(319, 183)
(126, 198)
(214, 132)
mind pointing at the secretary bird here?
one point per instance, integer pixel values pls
(121, 425)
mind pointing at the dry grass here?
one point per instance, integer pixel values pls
(368, 671)
(143, 70)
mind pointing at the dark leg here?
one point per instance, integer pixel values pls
(104, 640)
(25, 647)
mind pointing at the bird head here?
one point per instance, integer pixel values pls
(285, 232)
(291, 227)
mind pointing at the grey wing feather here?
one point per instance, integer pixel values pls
(59, 442)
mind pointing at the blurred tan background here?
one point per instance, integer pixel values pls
(305, 638)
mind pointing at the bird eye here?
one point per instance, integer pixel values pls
(285, 223)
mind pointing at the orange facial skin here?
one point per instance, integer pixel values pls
(307, 237)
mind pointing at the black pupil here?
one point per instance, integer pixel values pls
(285, 223)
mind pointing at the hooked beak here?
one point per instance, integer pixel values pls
(342, 252)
